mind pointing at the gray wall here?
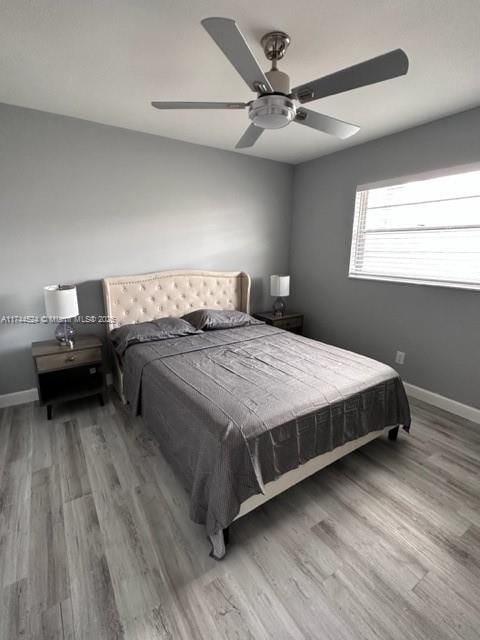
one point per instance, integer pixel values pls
(80, 201)
(438, 328)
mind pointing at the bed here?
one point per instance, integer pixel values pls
(243, 413)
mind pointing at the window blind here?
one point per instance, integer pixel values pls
(426, 231)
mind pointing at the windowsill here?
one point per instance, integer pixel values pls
(431, 283)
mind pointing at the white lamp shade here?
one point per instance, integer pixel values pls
(279, 286)
(61, 301)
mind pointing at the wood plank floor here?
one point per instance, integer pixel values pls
(96, 543)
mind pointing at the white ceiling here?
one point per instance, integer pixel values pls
(105, 60)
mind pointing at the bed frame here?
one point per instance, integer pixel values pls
(139, 298)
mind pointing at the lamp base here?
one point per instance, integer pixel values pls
(65, 333)
(279, 307)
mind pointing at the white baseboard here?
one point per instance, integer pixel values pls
(18, 397)
(435, 399)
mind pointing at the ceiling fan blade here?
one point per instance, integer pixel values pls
(231, 41)
(389, 65)
(326, 124)
(199, 105)
(249, 138)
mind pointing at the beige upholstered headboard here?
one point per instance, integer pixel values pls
(130, 299)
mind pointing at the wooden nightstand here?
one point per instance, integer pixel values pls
(290, 321)
(65, 374)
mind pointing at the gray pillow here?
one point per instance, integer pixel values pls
(161, 329)
(208, 319)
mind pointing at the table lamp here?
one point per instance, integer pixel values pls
(279, 288)
(61, 303)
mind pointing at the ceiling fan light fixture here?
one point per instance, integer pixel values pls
(272, 111)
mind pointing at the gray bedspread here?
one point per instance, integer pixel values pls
(236, 408)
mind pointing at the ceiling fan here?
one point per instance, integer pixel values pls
(276, 105)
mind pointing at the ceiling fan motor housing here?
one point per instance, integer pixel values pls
(272, 111)
(279, 80)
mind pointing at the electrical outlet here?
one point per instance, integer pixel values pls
(400, 357)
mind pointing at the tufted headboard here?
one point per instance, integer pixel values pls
(130, 299)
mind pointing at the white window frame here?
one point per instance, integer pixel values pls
(358, 221)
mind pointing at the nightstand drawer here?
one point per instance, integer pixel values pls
(68, 359)
(289, 323)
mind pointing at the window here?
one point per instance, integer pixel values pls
(425, 230)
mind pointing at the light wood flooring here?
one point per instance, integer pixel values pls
(95, 539)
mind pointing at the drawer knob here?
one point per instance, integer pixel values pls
(70, 359)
